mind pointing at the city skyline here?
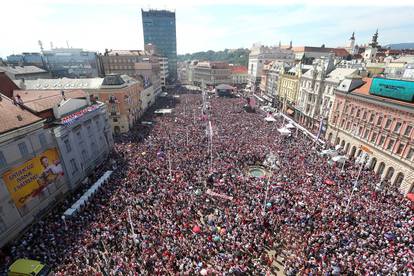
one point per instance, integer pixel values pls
(203, 25)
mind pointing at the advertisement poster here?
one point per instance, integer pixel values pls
(26, 181)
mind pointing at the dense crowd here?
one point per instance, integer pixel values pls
(168, 211)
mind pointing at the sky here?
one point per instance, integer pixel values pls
(202, 25)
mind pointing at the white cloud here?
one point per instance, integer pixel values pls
(116, 24)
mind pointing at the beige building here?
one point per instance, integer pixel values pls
(212, 73)
(288, 88)
(121, 94)
(380, 123)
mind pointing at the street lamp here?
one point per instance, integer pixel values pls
(362, 159)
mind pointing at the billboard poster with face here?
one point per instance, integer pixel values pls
(28, 180)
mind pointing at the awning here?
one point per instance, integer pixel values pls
(290, 111)
(259, 98)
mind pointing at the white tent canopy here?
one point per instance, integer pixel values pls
(270, 119)
(284, 131)
(339, 158)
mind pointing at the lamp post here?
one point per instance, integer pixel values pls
(363, 159)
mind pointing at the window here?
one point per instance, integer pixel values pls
(379, 121)
(2, 160)
(397, 127)
(3, 226)
(407, 131)
(388, 123)
(67, 145)
(373, 137)
(390, 144)
(358, 113)
(400, 148)
(360, 131)
(85, 156)
(381, 141)
(89, 129)
(74, 166)
(42, 140)
(364, 116)
(410, 153)
(371, 118)
(78, 136)
(366, 134)
(23, 149)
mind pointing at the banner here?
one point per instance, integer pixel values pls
(26, 181)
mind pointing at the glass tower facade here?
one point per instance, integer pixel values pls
(159, 30)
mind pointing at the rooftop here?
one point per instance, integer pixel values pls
(125, 53)
(13, 116)
(67, 83)
(42, 100)
(364, 90)
(16, 70)
(339, 74)
(239, 70)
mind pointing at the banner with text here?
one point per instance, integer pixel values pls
(26, 181)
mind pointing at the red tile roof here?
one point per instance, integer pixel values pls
(13, 116)
(340, 52)
(239, 70)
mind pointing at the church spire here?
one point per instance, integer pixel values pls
(353, 36)
(374, 42)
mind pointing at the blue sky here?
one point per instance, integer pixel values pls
(203, 25)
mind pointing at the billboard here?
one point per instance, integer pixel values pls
(27, 181)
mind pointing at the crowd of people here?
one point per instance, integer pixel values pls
(181, 202)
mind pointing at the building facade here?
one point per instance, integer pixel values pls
(72, 63)
(261, 55)
(159, 30)
(385, 125)
(32, 176)
(83, 136)
(212, 73)
(316, 91)
(239, 75)
(27, 59)
(121, 94)
(288, 89)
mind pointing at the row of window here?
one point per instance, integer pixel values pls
(23, 149)
(385, 122)
(380, 141)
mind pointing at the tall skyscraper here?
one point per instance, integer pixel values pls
(159, 29)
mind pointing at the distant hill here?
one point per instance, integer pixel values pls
(400, 46)
(234, 56)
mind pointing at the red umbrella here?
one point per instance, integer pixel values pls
(410, 196)
(329, 182)
(196, 229)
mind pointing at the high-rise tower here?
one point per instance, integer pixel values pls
(159, 30)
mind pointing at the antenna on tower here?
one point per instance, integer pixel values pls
(67, 44)
(41, 46)
(51, 45)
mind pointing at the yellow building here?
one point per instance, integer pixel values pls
(288, 89)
